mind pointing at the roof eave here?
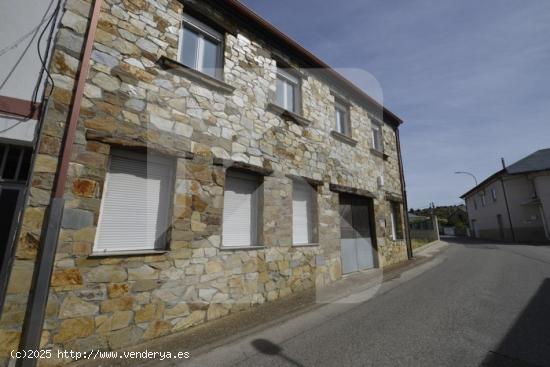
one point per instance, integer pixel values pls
(484, 182)
(266, 26)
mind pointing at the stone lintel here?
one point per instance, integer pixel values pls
(394, 197)
(228, 163)
(136, 142)
(194, 75)
(311, 181)
(351, 190)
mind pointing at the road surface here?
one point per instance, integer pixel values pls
(476, 304)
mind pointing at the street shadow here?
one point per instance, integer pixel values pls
(527, 343)
(269, 348)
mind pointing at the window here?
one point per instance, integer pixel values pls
(287, 91)
(201, 47)
(135, 209)
(475, 204)
(494, 195)
(483, 202)
(396, 226)
(15, 162)
(241, 210)
(304, 204)
(377, 137)
(343, 123)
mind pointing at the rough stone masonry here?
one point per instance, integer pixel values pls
(133, 101)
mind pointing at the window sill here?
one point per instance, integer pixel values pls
(127, 253)
(194, 75)
(306, 245)
(343, 138)
(240, 248)
(379, 153)
(288, 115)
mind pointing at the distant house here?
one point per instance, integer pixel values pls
(514, 203)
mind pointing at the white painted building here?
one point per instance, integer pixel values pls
(514, 203)
(24, 25)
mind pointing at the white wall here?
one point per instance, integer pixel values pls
(21, 22)
(526, 218)
(486, 216)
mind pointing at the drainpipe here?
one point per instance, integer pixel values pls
(404, 194)
(508, 210)
(38, 298)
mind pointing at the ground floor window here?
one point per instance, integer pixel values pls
(304, 207)
(241, 209)
(15, 163)
(396, 224)
(135, 209)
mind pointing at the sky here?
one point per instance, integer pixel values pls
(470, 78)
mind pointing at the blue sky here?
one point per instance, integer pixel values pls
(471, 79)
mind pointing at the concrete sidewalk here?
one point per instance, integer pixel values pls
(288, 316)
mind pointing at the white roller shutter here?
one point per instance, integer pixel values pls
(136, 203)
(302, 213)
(240, 210)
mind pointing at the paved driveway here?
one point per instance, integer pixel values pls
(475, 304)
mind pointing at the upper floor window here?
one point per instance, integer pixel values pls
(343, 123)
(201, 47)
(483, 202)
(494, 194)
(475, 203)
(288, 93)
(377, 137)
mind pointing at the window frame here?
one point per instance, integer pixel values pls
(340, 105)
(376, 126)
(494, 194)
(289, 78)
(483, 200)
(397, 233)
(256, 215)
(163, 242)
(313, 222)
(204, 31)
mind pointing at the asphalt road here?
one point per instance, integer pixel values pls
(479, 304)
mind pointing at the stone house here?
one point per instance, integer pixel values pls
(513, 204)
(193, 161)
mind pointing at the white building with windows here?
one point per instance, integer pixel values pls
(514, 203)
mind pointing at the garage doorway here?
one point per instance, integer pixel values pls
(357, 234)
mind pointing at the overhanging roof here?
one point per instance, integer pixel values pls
(536, 162)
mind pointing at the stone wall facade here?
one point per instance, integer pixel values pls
(131, 101)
